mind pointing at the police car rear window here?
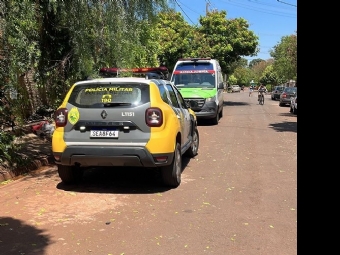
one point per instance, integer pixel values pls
(100, 95)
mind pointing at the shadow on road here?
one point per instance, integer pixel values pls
(288, 114)
(286, 126)
(231, 103)
(120, 180)
(19, 238)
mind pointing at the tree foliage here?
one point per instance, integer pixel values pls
(66, 41)
(226, 39)
(242, 62)
(44, 35)
(269, 76)
(279, 69)
(232, 80)
(243, 76)
(216, 37)
(175, 37)
(258, 70)
(285, 56)
(108, 33)
(254, 62)
(18, 50)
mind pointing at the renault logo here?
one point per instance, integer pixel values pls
(103, 114)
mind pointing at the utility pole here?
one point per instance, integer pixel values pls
(207, 7)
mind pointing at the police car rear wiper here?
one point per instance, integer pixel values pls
(117, 104)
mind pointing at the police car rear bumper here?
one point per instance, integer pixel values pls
(87, 156)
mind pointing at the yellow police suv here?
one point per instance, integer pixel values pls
(124, 121)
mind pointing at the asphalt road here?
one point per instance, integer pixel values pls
(238, 197)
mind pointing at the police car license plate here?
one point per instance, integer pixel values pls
(104, 133)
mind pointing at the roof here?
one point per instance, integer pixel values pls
(116, 80)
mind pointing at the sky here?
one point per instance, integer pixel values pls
(270, 20)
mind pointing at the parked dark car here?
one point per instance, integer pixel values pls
(277, 92)
(286, 95)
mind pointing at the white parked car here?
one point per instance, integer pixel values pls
(235, 88)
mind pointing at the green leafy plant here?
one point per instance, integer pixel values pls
(7, 147)
(9, 151)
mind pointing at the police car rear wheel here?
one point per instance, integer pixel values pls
(171, 174)
(69, 174)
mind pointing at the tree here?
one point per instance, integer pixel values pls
(108, 33)
(239, 63)
(46, 37)
(215, 37)
(66, 41)
(285, 57)
(19, 52)
(254, 62)
(232, 80)
(243, 76)
(227, 39)
(269, 77)
(258, 69)
(175, 37)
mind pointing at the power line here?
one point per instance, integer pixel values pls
(190, 9)
(184, 11)
(287, 3)
(256, 2)
(257, 9)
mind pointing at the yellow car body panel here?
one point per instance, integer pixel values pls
(169, 129)
(58, 143)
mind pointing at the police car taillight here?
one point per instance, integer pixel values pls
(154, 117)
(60, 117)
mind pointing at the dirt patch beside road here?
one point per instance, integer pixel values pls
(38, 152)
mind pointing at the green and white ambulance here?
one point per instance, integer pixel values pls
(200, 81)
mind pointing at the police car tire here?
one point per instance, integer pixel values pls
(171, 174)
(193, 149)
(69, 174)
